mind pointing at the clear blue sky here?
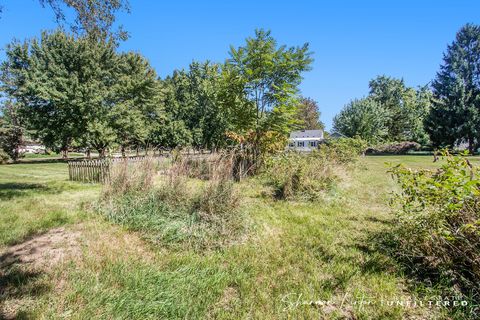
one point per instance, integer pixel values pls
(352, 41)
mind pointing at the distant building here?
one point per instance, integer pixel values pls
(305, 140)
(336, 135)
(32, 148)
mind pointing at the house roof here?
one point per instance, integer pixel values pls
(337, 135)
(307, 134)
(306, 139)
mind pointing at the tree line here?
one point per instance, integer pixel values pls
(76, 91)
(442, 115)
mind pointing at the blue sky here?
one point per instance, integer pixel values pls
(352, 41)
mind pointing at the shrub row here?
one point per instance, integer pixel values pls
(394, 148)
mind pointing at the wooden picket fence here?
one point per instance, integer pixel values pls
(98, 170)
(89, 170)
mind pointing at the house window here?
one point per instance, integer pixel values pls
(301, 144)
(291, 144)
(313, 143)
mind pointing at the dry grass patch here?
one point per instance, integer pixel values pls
(44, 250)
(179, 211)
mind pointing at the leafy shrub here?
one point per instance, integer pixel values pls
(295, 175)
(395, 148)
(437, 227)
(3, 157)
(343, 150)
(305, 176)
(11, 138)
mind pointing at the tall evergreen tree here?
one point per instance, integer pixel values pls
(455, 115)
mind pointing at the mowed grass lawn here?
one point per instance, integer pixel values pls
(37, 197)
(295, 253)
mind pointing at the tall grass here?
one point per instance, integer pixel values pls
(129, 177)
(177, 210)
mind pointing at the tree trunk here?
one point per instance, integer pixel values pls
(471, 145)
(65, 153)
(16, 154)
(123, 150)
(101, 152)
(89, 154)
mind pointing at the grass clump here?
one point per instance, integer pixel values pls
(130, 177)
(178, 210)
(437, 229)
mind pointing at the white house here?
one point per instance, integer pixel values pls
(31, 148)
(305, 140)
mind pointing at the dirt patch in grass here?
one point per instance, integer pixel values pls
(42, 251)
(24, 266)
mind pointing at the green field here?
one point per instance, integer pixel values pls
(295, 253)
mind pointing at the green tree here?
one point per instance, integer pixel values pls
(194, 101)
(395, 98)
(209, 114)
(418, 115)
(406, 108)
(364, 118)
(269, 76)
(455, 115)
(11, 139)
(137, 109)
(179, 102)
(309, 115)
(63, 86)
